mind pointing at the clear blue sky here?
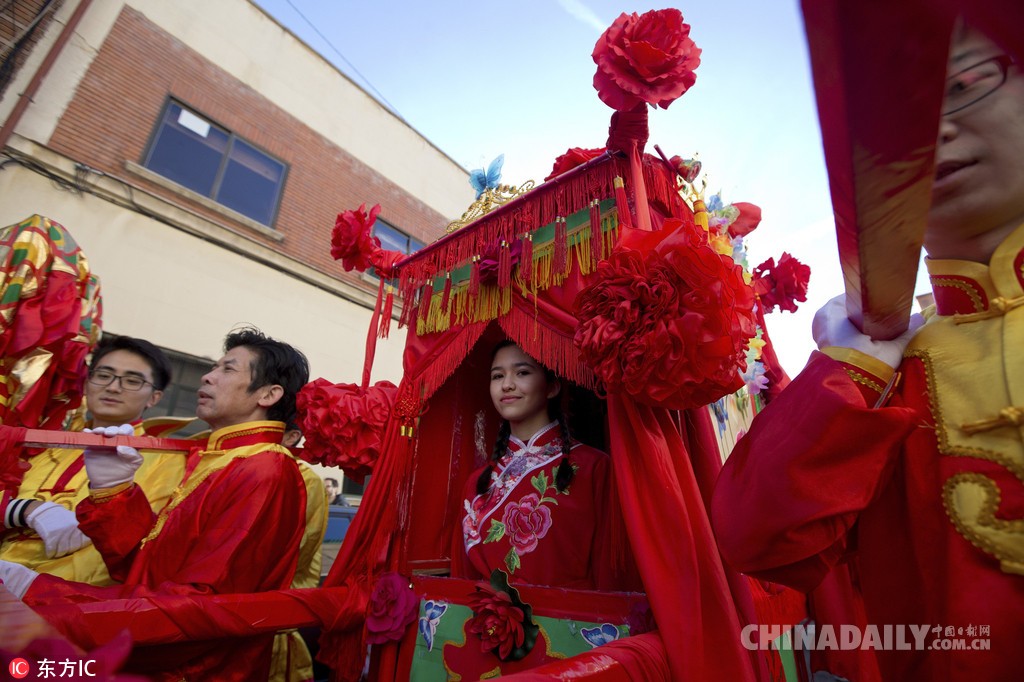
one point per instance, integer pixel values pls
(486, 78)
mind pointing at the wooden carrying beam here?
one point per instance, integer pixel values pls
(44, 438)
(879, 73)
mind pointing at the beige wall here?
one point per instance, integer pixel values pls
(182, 292)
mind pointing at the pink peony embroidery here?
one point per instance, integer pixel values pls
(526, 522)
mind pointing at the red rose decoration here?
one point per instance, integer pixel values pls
(344, 423)
(351, 242)
(393, 606)
(668, 319)
(781, 285)
(647, 58)
(576, 156)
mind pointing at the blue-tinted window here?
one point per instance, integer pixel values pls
(393, 239)
(198, 154)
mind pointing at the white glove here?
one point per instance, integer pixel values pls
(16, 578)
(108, 467)
(58, 528)
(833, 329)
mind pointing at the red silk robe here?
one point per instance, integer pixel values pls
(925, 495)
(234, 525)
(528, 529)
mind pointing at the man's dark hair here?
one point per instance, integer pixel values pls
(276, 363)
(333, 481)
(153, 356)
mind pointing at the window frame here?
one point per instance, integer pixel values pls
(154, 136)
(371, 273)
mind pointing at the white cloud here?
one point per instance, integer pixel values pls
(577, 10)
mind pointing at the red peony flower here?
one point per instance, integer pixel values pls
(393, 606)
(647, 58)
(351, 242)
(497, 621)
(344, 424)
(668, 319)
(526, 522)
(576, 156)
(781, 285)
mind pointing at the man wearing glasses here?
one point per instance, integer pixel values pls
(236, 523)
(126, 377)
(905, 458)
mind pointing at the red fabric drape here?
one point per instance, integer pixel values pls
(674, 547)
(640, 658)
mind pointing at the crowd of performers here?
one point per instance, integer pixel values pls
(900, 461)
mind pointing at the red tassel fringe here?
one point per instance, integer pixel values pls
(385, 315)
(447, 294)
(622, 204)
(526, 260)
(596, 236)
(540, 207)
(560, 255)
(474, 278)
(426, 293)
(504, 265)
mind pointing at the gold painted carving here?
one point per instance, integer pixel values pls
(491, 199)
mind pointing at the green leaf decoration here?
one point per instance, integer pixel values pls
(495, 532)
(540, 482)
(512, 561)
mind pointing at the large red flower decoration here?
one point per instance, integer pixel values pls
(501, 620)
(392, 607)
(668, 319)
(351, 242)
(782, 285)
(344, 423)
(647, 58)
(576, 156)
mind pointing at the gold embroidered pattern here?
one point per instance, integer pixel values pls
(971, 292)
(864, 380)
(941, 428)
(971, 501)
(998, 307)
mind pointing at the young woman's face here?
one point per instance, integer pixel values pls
(520, 391)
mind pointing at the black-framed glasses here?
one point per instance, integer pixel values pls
(129, 382)
(975, 83)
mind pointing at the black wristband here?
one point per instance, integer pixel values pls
(14, 517)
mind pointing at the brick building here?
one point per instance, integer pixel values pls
(201, 170)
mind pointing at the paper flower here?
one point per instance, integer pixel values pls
(344, 423)
(576, 156)
(647, 58)
(393, 606)
(351, 242)
(667, 320)
(781, 285)
(501, 620)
